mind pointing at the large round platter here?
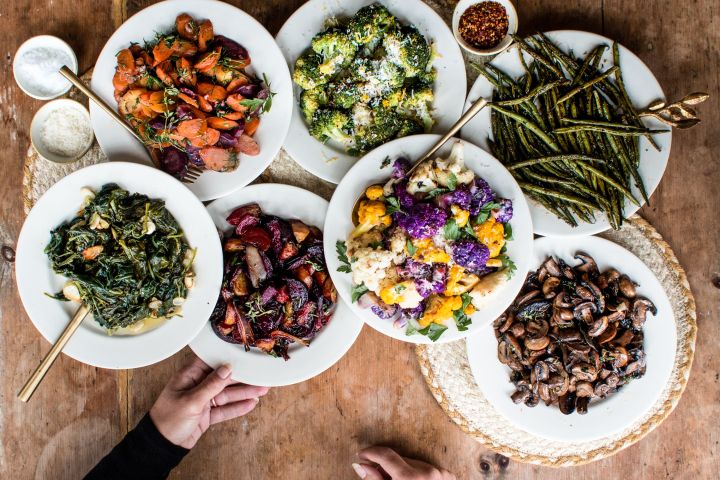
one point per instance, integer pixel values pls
(447, 371)
(614, 413)
(326, 161)
(227, 20)
(91, 344)
(643, 88)
(369, 170)
(333, 341)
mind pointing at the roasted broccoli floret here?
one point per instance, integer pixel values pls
(345, 94)
(417, 104)
(379, 76)
(336, 48)
(369, 23)
(407, 48)
(393, 99)
(408, 127)
(384, 126)
(311, 101)
(307, 72)
(328, 124)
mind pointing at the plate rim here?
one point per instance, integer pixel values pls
(74, 351)
(279, 134)
(294, 142)
(350, 334)
(376, 323)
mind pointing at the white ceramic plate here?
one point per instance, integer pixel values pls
(90, 344)
(368, 170)
(642, 87)
(616, 412)
(326, 161)
(235, 24)
(331, 343)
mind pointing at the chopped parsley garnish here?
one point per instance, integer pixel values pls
(452, 181)
(393, 205)
(451, 230)
(485, 211)
(411, 248)
(358, 291)
(341, 250)
(462, 320)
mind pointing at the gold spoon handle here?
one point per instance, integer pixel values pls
(67, 73)
(39, 373)
(472, 111)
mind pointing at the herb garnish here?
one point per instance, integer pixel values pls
(341, 250)
(462, 320)
(358, 291)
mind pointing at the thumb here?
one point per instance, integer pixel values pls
(213, 384)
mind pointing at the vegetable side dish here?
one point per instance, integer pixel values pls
(276, 290)
(125, 258)
(568, 132)
(430, 247)
(366, 80)
(573, 334)
(188, 94)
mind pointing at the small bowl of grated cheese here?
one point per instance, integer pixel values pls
(61, 132)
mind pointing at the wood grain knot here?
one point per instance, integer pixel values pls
(716, 281)
(8, 253)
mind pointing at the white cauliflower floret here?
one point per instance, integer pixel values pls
(368, 239)
(454, 164)
(423, 178)
(397, 241)
(362, 115)
(389, 187)
(371, 267)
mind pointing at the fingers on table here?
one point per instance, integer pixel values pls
(388, 459)
(192, 374)
(367, 472)
(238, 392)
(231, 410)
(213, 384)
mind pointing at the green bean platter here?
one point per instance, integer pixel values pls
(564, 117)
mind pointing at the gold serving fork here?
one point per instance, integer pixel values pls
(193, 172)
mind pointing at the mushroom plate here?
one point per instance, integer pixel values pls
(607, 406)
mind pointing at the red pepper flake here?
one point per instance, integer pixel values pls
(484, 24)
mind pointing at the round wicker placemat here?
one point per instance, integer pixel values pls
(447, 372)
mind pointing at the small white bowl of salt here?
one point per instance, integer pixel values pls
(61, 131)
(37, 63)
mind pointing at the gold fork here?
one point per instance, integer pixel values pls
(193, 172)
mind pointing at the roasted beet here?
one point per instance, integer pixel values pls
(251, 208)
(256, 236)
(173, 161)
(276, 290)
(193, 155)
(230, 48)
(248, 91)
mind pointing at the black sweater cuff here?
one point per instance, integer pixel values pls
(143, 454)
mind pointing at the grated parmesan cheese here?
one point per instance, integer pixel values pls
(66, 132)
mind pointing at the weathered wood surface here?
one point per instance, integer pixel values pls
(376, 393)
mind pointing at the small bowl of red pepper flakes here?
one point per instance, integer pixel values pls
(484, 27)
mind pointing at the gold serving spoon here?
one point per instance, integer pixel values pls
(466, 117)
(37, 376)
(679, 114)
(193, 172)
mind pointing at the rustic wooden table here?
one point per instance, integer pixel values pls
(375, 394)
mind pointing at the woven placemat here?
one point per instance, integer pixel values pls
(448, 375)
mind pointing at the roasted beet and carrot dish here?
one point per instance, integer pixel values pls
(276, 289)
(188, 94)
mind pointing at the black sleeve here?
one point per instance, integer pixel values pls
(144, 454)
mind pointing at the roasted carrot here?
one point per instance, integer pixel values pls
(251, 126)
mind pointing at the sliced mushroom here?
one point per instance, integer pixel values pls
(612, 380)
(541, 372)
(623, 339)
(537, 343)
(526, 297)
(537, 327)
(588, 264)
(608, 334)
(626, 286)
(585, 371)
(560, 301)
(602, 390)
(517, 329)
(550, 286)
(509, 318)
(598, 327)
(581, 405)
(639, 311)
(552, 267)
(521, 396)
(566, 403)
(620, 357)
(584, 389)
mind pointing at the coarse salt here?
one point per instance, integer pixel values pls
(66, 132)
(38, 70)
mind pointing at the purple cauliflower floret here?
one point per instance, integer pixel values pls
(460, 197)
(412, 313)
(384, 310)
(505, 213)
(400, 167)
(415, 270)
(471, 254)
(434, 284)
(405, 199)
(481, 194)
(422, 220)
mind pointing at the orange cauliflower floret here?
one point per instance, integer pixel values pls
(492, 235)
(440, 309)
(372, 213)
(404, 294)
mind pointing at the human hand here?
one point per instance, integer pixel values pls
(197, 397)
(381, 463)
